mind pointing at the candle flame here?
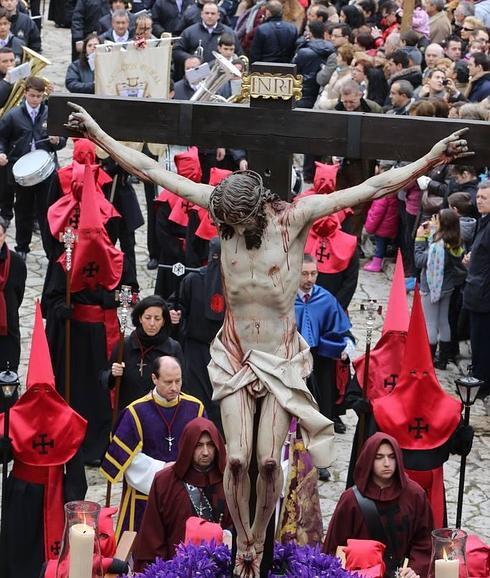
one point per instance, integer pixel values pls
(444, 554)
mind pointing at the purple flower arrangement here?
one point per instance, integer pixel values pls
(295, 561)
(211, 560)
(208, 560)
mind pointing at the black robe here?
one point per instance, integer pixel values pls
(88, 358)
(170, 238)
(133, 384)
(198, 332)
(22, 549)
(342, 285)
(14, 294)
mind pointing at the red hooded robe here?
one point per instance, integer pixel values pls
(420, 414)
(403, 506)
(169, 505)
(46, 433)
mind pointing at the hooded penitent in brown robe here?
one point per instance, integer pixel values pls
(169, 505)
(403, 509)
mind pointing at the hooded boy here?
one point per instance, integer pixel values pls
(384, 505)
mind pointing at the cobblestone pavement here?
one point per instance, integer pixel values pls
(476, 512)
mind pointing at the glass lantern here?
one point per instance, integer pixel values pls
(448, 558)
(80, 549)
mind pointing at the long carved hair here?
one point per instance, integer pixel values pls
(238, 199)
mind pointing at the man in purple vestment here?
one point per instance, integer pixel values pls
(145, 439)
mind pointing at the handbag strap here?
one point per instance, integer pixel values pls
(371, 517)
(375, 528)
(200, 502)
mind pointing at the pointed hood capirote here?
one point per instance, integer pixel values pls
(418, 411)
(386, 358)
(188, 441)
(397, 316)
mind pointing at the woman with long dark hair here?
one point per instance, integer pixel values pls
(150, 339)
(80, 75)
(439, 254)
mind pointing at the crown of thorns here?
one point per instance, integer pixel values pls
(259, 191)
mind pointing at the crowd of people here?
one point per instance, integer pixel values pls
(162, 432)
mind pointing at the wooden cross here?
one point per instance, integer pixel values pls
(269, 129)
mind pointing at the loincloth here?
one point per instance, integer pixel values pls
(285, 380)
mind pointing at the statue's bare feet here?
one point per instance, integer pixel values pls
(247, 564)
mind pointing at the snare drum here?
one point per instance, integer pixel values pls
(33, 168)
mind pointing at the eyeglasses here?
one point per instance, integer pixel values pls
(468, 29)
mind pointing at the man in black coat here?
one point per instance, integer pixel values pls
(193, 14)
(183, 89)
(309, 59)
(22, 26)
(13, 275)
(476, 294)
(400, 69)
(202, 37)
(105, 23)
(274, 40)
(120, 28)
(22, 130)
(7, 62)
(168, 16)
(85, 20)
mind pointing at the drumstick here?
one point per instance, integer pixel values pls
(405, 563)
(41, 140)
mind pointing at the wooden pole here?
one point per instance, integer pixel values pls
(125, 298)
(68, 340)
(408, 8)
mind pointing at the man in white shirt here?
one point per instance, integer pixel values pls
(145, 439)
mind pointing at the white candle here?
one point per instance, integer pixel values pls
(81, 551)
(445, 568)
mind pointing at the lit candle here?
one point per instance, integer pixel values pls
(81, 551)
(446, 568)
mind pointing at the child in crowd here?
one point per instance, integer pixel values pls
(462, 205)
(382, 222)
(439, 254)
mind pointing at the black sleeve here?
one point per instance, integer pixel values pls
(5, 90)
(34, 38)
(106, 379)
(349, 282)
(461, 441)
(75, 482)
(74, 82)
(77, 28)
(354, 398)
(158, 19)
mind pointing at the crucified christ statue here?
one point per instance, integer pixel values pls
(259, 352)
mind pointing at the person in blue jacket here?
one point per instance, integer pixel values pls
(326, 328)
